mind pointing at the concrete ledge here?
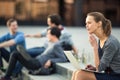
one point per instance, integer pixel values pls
(45, 77)
(62, 73)
(65, 70)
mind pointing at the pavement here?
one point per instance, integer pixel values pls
(79, 37)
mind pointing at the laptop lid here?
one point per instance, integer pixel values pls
(75, 63)
(72, 59)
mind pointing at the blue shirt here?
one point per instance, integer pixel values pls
(18, 37)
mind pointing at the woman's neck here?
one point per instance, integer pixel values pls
(102, 37)
(100, 34)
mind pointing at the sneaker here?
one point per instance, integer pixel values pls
(17, 76)
(2, 69)
(34, 72)
(23, 52)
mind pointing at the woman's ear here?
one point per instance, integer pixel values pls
(100, 23)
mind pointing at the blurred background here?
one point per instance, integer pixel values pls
(73, 12)
(32, 17)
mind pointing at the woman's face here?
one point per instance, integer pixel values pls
(91, 25)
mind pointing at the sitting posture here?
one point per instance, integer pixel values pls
(53, 20)
(106, 51)
(41, 64)
(11, 40)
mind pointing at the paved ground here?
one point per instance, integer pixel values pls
(79, 36)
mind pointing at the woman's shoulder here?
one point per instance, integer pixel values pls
(112, 41)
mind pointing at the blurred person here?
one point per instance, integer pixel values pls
(52, 54)
(65, 38)
(11, 40)
(106, 50)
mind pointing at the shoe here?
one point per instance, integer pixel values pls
(17, 76)
(34, 72)
(2, 69)
(23, 52)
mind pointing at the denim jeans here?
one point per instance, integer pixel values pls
(6, 55)
(16, 56)
(33, 52)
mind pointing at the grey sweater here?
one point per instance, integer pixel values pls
(53, 52)
(65, 36)
(111, 55)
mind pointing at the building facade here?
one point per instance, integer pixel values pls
(73, 12)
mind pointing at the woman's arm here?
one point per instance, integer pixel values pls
(94, 44)
(108, 58)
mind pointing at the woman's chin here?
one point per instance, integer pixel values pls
(89, 32)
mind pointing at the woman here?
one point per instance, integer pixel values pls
(106, 51)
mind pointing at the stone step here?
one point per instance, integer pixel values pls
(47, 77)
(55, 76)
(65, 70)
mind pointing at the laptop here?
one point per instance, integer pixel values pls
(75, 63)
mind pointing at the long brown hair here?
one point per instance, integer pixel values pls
(106, 23)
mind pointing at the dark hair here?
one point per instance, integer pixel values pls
(106, 24)
(10, 21)
(56, 19)
(55, 31)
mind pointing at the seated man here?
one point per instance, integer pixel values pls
(11, 40)
(65, 38)
(52, 54)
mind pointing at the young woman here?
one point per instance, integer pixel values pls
(106, 50)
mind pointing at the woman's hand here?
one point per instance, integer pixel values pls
(93, 41)
(90, 67)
